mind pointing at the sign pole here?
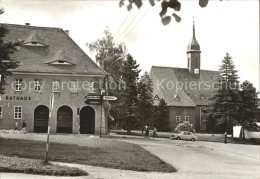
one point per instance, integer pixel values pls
(49, 126)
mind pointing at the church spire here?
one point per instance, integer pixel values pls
(193, 31)
(193, 54)
(193, 45)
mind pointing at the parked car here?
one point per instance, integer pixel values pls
(184, 135)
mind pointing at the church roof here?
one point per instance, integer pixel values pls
(49, 46)
(193, 45)
(180, 88)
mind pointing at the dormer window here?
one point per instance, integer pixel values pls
(156, 97)
(61, 62)
(189, 95)
(202, 96)
(35, 44)
(176, 98)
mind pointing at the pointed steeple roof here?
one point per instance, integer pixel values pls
(193, 45)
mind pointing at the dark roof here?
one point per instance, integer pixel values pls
(57, 46)
(170, 83)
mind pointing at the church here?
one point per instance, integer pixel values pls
(51, 66)
(187, 91)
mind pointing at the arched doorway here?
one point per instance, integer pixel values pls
(64, 119)
(41, 116)
(87, 120)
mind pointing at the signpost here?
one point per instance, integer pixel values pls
(49, 126)
(93, 102)
(95, 97)
(109, 98)
(98, 100)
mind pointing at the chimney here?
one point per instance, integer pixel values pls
(28, 24)
(67, 32)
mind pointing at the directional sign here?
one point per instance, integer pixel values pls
(93, 102)
(96, 97)
(109, 98)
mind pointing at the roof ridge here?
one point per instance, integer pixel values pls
(167, 67)
(208, 70)
(30, 26)
(153, 66)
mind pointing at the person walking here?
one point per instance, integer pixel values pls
(155, 132)
(147, 135)
(24, 125)
(225, 137)
(16, 125)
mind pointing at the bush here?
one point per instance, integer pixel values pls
(184, 126)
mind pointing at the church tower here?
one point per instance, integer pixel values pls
(193, 54)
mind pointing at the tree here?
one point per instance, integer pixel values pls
(184, 126)
(127, 103)
(174, 5)
(248, 105)
(6, 50)
(226, 98)
(210, 120)
(161, 115)
(107, 52)
(145, 100)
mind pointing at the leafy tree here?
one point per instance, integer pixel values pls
(248, 105)
(184, 126)
(108, 55)
(161, 115)
(226, 98)
(127, 103)
(107, 52)
(145, 100)
(174, 5)
(6, 50)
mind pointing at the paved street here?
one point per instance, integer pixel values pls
(206, 159)
(194, 160)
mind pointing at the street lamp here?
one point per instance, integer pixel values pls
(110, 69)
(110, 74)
(106, 87)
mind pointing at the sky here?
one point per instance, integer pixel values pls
(223, 26)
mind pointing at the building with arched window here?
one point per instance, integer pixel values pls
(50, 62)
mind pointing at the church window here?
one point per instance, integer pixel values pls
(196, 71)
(178, 118)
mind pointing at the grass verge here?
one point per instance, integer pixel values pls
(119, 155)
(34, 166)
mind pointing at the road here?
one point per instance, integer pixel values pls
(205, 159)
(194, 160)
